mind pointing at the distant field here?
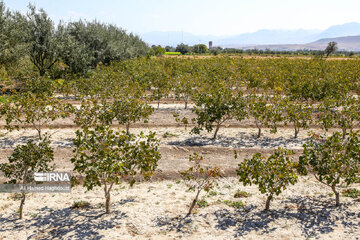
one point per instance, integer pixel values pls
(173, 53)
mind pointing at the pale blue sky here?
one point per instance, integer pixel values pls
(214, 17)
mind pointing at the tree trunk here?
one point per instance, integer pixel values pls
(337, 196)
(343, 133)
(216, 131)
(193, 203)
(296, 132)
(22, 202)
(107, 203)
(158, 104)
(39, 132)
(127, 129)
(267, 205)
(259, 133)
(186, 104)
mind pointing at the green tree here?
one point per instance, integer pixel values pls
(12, 42)
(42, 40)
(105, 157)
(93, 112)
(87, 44)
(344, 113)
(265, 110)
(36, 110)
(158, 50)
(331, 48)
(129, 110)
(272, 175)
(333, 161)
(183, 48)
(297, 113)
(200, 48)
(25, 161)
(214, 105)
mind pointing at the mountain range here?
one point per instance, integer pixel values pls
(273, 39)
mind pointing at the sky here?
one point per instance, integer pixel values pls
(202, 17)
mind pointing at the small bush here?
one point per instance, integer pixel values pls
(202, 203)
(351, 192)
(234, 204)
(241, 194)
(80, 205)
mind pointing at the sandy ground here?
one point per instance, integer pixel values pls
(154, 210)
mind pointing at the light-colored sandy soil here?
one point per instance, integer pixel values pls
(155, 210)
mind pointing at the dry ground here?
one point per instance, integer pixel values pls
(154, 210)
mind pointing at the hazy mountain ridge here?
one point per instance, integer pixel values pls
(348, 43)
(273, 39)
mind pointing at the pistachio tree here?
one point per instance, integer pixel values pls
(130, 109)
(214, 105)
(265, 110)
(272, 174)
(105, 157)
(198, 178)
(333, 160)
(25, 161)
(36, 110)
(343, 113)
(297, 113)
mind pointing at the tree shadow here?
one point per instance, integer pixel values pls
(314, 216)
(68, 223)
(12, 142)
(180, 224)
(241, 140)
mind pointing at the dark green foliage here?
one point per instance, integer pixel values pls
(42, 40)
(183, 48)
(86, 44)
(331, 48)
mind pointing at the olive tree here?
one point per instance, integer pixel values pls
(272, 174)
(12, 44)
(42, 40)
(333, 160)
(105, 157)
(25, 161)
